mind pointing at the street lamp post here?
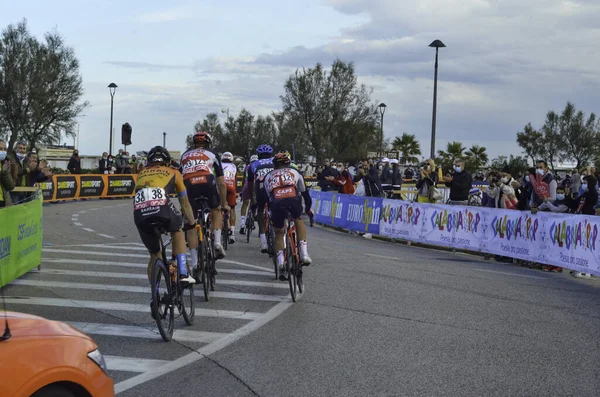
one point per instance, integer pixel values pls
(112, 88)
(164, 139)
(226, 110)
(382, 106)
(437, 44)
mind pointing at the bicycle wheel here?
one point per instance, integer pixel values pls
(289, 267)
(162, 301)
(188, 306)
(225, 237)
(249, 226)
(211, 271)
(203, 265)
(271, 249)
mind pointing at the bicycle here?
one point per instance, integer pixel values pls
(175, 294)
(293, 266)
(249, 223)
(206, 249)
(270, 233)
(226, 229)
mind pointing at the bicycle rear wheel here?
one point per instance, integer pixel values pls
(271, 249)
(188, 306)
(162, 300)
(249, 226)
(203, 256)
(289, 267)
(225, 237)
(211, 271)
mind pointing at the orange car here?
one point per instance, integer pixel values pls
(43, 358)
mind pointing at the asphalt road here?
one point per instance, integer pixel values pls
(377, 319)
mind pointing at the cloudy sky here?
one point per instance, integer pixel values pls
(506, 63)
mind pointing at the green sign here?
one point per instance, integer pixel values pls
(20, 239)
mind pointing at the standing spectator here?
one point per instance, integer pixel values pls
(123, 165)
(409, 173)
(326, 176)
(370, 177)
(386, 177)
(134, 165)
(38, 172)
(18, 170)
(459, 183)
(547, 177)
(427, 181)
(74, 165)
(117, 160)
(6, 180)
(343, 180)
(503, 194)
(396, 178)
(575, 184)
(103, 165)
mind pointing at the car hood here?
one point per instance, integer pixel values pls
(26, 325)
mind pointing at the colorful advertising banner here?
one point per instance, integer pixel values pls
(20, 239)
(565, 240)
(91, 186)
(120, 185)
(66, 186)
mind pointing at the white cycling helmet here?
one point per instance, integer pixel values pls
(253, 158)
(227, 156)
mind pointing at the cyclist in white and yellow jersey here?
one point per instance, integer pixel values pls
(230, 174)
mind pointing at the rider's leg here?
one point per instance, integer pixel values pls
(192, 238)
(179, 250)
(260, 218)
(232, 221)
(279, 247)
(303, 246)
(217, 226)
(153, 258)
(243, 212)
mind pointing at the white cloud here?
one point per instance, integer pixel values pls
(169, 15)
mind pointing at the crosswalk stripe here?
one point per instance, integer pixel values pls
(136, 289)
(131, 331)
(119, 306)
(132, 364)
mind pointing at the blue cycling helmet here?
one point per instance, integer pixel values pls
(264, 149)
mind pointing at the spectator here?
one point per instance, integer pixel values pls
(396, 178)
(134, 165)
(326, 176)
(103, 165)
(111, 164)
(503, 194)
(117, 160)
(409, 173)
(38, 171)
(575, 184)
(343, 180)
(589, 197)
(123, 165)
(459, 183)
(6, 180)
(74, 165)
(547, 177)
(523, 190)
(18, 170)
(426, 183)
(370, 177)
(386, 177)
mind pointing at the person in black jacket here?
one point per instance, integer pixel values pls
(459, 183)
(589, 198)
(103, 165)
(370, 177)
(326, 176)
(74, 165)
(396, 178)
(386, 177)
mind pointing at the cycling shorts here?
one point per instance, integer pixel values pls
(245, 194)
(279, 207)
(167, 216)
(206, 189)
(231, 196)
(261, 197)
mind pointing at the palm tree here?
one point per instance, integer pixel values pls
(476, 157)
(409, 148)
(454, 150)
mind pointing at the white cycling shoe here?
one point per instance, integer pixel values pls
(219, 251)
(305, 260)
(187, 279)
(264, 248)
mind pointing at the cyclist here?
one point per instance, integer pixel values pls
(245, 196)
(230, 174)
(284, 186)
(152, 205)
(305, 193)
(256, 175)
(203, 176)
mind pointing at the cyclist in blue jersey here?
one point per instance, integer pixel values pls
(256, 176)
(245, 196)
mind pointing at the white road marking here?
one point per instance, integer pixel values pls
(130, 331)
(87, 229)
(205, 350)
(509, 274)
(84, 253)
(90, 262)
(81, 212)
(105, 235)
(78, 224)
(132, 364)
(244, 265)
(136, 289)
(75, 216)
(124, 307)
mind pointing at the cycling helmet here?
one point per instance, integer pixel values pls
(281, 159)
(159, 154)
(253, 158)
(202, 137)
(264, 149)
(227, 156)
(286, 152)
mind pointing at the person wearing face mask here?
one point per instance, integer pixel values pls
(542, 171)
(503, 195)
(6, 180)
(426, 182)
(459, 183)
(386, 177)
(343, 180)
(74, 165)
(19, 170)
(123, 163)
(103, 165)
(396, 179)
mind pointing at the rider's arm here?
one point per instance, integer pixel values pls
(221, 184)
(251, 184)
(301, 186)
(186, 208)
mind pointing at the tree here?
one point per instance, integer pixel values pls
(531, 142)
(40, 87)
(454, 150)
(517, 165)
(580, 135)
(291, 135)
(409, 148)
(324, 101)
(476, 157)
(553, 143)
(210, 124)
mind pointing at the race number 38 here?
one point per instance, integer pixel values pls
(150, 197)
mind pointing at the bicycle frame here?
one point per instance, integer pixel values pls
(292, 234)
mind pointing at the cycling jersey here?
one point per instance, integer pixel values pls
(284, 187)
(230, 174)
(201, 168)
(256, 173)
(152, 204)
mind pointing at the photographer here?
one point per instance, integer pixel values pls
(426, 185)
(459, 183)
(501, 193)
